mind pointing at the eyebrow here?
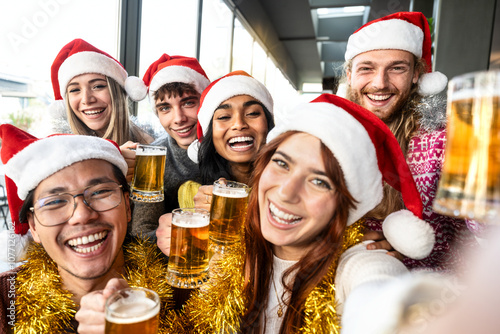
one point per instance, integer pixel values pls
(289, 158)
(187, 98)
(90, 81)
(395, 62)
(246, 104)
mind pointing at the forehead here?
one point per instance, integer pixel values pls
(382, 57)
(77, 176)
(87, 77)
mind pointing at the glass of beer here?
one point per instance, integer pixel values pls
(147, 183)
(227, 214)
(470, 182)
(188, 261)
(132, 310)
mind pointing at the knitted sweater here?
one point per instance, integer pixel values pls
(178, 169)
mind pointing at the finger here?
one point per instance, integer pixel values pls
(384, 244)
(374, 235)
(397, 255)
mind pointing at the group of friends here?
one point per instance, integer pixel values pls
(339, 216)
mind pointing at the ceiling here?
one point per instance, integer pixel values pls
(307, 38)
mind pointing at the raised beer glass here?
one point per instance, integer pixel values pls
(188, 261)
(132, 310)
(227, 214)
(470, 182)
(147, 183)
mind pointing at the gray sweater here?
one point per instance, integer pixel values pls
(178, 169)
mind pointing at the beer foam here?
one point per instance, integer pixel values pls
(150, 153)
(471, 93)
(231, 192)
(192, 222)
(127, 312)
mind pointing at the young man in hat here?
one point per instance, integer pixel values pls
(389, 72)
(175, 84)
(70, 191)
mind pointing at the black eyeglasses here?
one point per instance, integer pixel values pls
(58, 209)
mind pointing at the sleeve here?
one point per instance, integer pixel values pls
(145, 218)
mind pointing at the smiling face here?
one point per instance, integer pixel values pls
(381, 80)
(88, 245)
(296, 198)
(89, 98)
(239, 129)
(178, 115)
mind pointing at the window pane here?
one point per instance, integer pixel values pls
(259, 62)
(242, 48)
(33, 32)
(215, 38)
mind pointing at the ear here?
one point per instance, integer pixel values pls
(348, 76)
(416, 76)
(31, 222)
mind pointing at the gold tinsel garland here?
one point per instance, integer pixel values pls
(219, 305)
(43, 306)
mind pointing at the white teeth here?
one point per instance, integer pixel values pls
(88, 249)
(86, 239)
(379, 97)
(240, 139)
(283, 217)
(185, 130)
(93, 112)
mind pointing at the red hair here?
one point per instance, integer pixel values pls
(314, 264)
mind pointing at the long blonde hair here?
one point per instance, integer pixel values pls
(120, 128)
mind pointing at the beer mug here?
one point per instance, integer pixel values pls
(470, 182)
(132, 310)
(147, 183)
(188, 261)
(227, 214)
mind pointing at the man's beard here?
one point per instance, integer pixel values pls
(396, 110)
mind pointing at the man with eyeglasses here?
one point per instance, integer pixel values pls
(71, 193)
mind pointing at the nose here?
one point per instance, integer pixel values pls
(239, 122)
(380, 80)
(179, 115)
(290, 189)
(82, 214)
(87, 96)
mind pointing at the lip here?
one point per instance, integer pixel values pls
(279, 225)
(186, 134)
(102, 244)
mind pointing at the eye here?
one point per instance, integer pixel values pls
(189, 104)
(223, 117)
(322, 184)
(163, 109)
(280, 163)
(52, 202)
(74, 90)
(100, 192)
(99, 86)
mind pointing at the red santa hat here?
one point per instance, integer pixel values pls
(168, 69)
(29, 160)
(79, 57)
(368, 154)
(408, 31)
(231, 85)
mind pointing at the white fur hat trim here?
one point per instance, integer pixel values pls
(342, 128)
(46, 156)
(389, 34)
(178, 74)
(432, 83)
(135, 88)
(192, 151)
(227, 88)
(408, 234)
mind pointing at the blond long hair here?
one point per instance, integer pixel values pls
(120, 128)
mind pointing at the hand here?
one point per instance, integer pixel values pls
(90, 316)
(129, 156)
(203, 198)
(164, 233)
(381, 243)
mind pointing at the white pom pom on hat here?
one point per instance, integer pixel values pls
(372, 155)
(408, 31)
(80, 57)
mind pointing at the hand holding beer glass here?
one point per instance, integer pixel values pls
(132, 310)
(188, 261)
(227, 214)
(147, 182)
(470, 182)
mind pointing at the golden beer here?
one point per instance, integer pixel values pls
(148, 180)
(188, 261)
(132, 310)
(469, 186)
(227, 212)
